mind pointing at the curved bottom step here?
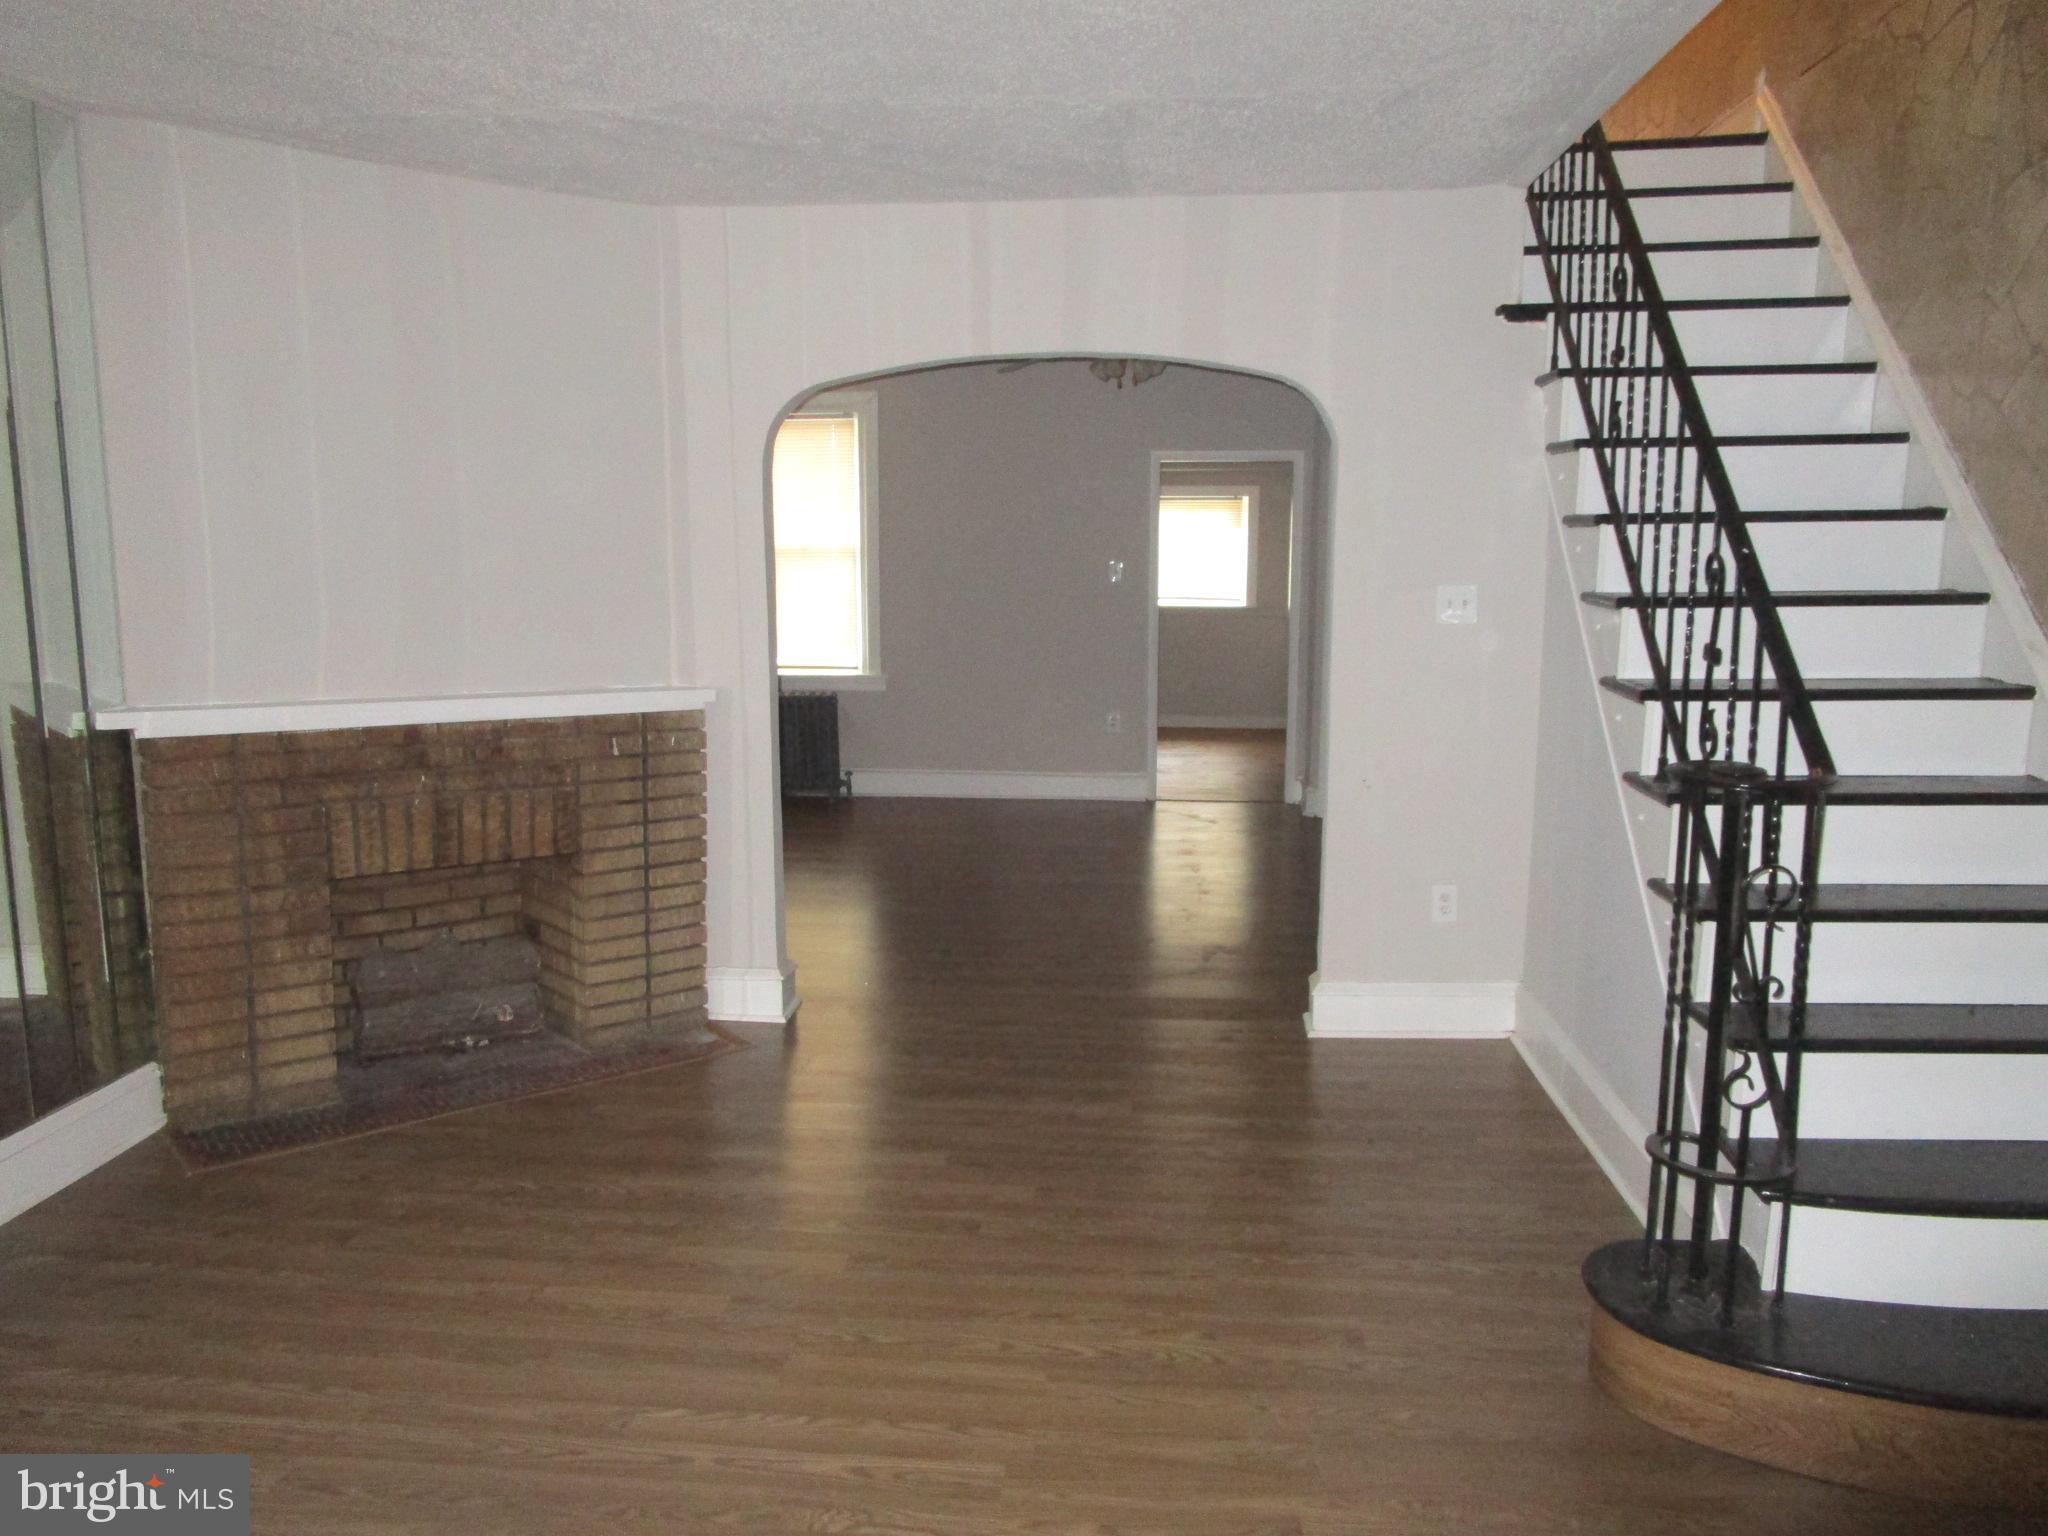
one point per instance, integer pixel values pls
(1933, 1402)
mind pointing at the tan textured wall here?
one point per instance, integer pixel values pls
(1926, 123)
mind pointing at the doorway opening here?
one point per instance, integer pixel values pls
(1227, 637)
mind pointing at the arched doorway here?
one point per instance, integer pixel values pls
(970, 567)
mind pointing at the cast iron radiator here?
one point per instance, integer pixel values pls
(810, 746)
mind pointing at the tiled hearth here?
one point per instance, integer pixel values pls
(274, 858)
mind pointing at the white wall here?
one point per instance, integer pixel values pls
(1229, 665)
(1003, 497)
(1379, 306)
(375, 432)
(1590, 1024)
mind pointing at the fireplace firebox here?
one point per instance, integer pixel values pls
(321, 895)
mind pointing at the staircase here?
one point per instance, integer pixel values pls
(1844, 1267)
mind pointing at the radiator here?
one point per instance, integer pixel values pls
(810, 746)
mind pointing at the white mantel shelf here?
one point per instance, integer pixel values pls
(350, 714)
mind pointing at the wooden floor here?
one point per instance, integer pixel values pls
(1046, 1219)
(1232, 765)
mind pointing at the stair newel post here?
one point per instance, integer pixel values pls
(1660, 1214)
(1736, 785)
(1795, 1005)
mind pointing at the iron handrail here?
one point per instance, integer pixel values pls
(1794, 698)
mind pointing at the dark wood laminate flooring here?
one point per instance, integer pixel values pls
(1044, 1219)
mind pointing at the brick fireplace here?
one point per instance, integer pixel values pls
(275, 859)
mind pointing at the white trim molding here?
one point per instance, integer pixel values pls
(67, 1144)
(346, 714)
(1223, 722)
(751, 994)
(1590, 1106)
(958, 784)
(1411, 1010)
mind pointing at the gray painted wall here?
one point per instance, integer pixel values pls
(1003, 498)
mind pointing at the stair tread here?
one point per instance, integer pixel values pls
(1901, 903)
(1901, 789)
(1535, 309)
(1696, 189)
(1741, 440)
(1788, 515)
(1980, 1360)
(1824, 689)
(1712, 370)
(1745, 301)
(1861, 597)
(1933, 1028)
(1989, 1179)
(1697, 141)
(1656, 247)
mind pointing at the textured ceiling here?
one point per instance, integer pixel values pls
(768, 101)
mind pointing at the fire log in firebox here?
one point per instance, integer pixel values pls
(447, 996)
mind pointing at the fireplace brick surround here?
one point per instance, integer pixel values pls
(272, 859)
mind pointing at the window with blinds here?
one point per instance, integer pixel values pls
(1205, 551)
(821, 615)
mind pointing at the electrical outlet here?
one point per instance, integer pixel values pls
(1443, 903)
(1457, 605)
(1115, 723)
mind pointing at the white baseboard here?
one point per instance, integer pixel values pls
(1312, 800)
(1411, 1010)
(1294, 792)
(66, 1145)
(1588, 1102)
(964, 784)
(737, 994)
(1223, 722)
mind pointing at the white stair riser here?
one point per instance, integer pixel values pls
(1931, 844)
(1926, 641)
(1750, 274)
(1799, 557)
(1927, 845)
(1901, 736)
(1804, 477)
(1933, 1261)
(1920, 962)
(1704, 165)
(1758, 336)
(1818, 475)
(1893, 1096)
(1741, 404)
(1741, 216)
(1907, 962)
